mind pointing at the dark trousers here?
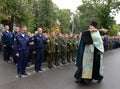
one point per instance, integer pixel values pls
(38, 59)
(105, 47)
(22, 61)
(14, 56)
(31, 56)
(96, 65)
(7, 53)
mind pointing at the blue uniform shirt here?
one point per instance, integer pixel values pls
(105, 40)
(39, 40)
(15, 34)
(21, 43)
(7, 38)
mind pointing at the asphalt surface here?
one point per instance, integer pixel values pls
(61, 77)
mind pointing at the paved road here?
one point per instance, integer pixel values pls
(61, 77)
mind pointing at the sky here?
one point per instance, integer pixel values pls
(73, 4)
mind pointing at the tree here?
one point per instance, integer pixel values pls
(99, 10)
(44, 14)
(114, 31)
(64, 16)
(16, 12)
(87, 12)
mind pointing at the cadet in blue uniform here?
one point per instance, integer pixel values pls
(22, 51)
(7, 43)
(15, 33)
(39, 44)
(105, 40)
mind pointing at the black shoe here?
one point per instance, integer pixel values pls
(25, 74)
(69, 61)
(82, 81)
(64, 63)
(88, 81)
(19, 76)
(73, 60)
(50, 67)
(5, 60)
(57, 64)
(100, 80)
(77, 81)
(41, 70)
(37, 71)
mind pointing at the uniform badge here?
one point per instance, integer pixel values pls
(38, 38)
(14, 39)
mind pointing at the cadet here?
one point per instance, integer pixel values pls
(72, 41)
(7, 43)
(115, 42)
(69, 51)
(60, 49)
(63, 50)
(75, 46)
(110, 43)
(66, 40)
(39, 44)
(21, 48)
(105, 40)
(57, 50)
(51, 48)
(15, 33)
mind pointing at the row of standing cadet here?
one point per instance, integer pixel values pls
(111, 42)
(38, 48)
(59, 49)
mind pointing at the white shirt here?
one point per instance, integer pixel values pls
(23, 35)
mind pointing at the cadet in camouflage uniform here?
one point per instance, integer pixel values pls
(63, 50)
(60, 50)
(67, 48)
(69, 45)
(51, 48)
(110, 43)
(57, 50)
(75, 46)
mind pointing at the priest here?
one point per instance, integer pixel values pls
(89, 56)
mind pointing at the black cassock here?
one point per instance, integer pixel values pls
(86, 39)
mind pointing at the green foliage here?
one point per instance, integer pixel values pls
(64, 16)
(45, 14)
(114, 31)
(104, 17)
(117, 27)
(16, 12)
(87, 13)
(99, 10)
